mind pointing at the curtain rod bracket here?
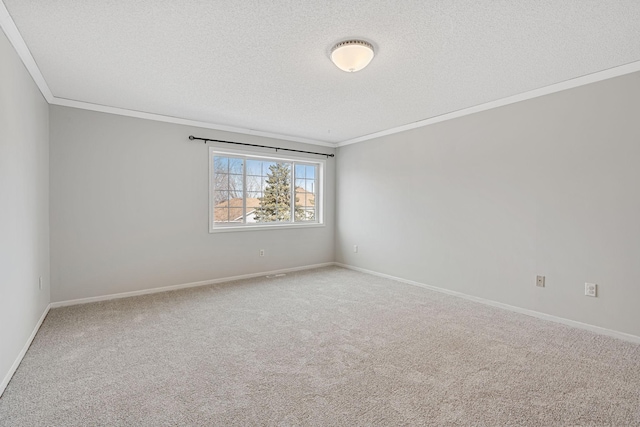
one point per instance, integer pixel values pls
(191, 137)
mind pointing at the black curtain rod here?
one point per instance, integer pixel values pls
(191, 137)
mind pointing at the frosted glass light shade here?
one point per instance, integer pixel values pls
(352, 55)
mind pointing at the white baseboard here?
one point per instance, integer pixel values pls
(18, 360)
(184, 285)
(14, 367)
(539, 315)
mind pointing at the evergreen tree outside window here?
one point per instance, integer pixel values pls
(252, 191)
(275, 205)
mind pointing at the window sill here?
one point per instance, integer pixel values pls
(263, 227)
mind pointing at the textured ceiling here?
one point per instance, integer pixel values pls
(265, 66)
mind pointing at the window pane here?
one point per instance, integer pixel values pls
(221, 181)
(229, 211)
(228, 189)
(310, 172)
(264, 188)
(253, 183)
(220, 164)
(227, 175)
(235, 165)
(254, 167)
(235, 186)
(309, 185)
(306, 209)
(275, 203)
(221, 214)
(266, 167)
(219, 197)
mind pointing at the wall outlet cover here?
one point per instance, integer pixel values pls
(590, 289)
(540, 281)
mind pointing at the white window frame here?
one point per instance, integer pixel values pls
(247, 154)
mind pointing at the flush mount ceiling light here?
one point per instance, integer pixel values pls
(352, 55)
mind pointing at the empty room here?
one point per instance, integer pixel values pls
(320, 213)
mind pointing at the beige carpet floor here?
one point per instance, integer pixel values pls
(325, 347)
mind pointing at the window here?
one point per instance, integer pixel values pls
(250, 191)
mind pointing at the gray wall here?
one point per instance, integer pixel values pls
(483, 203)
(24, 205)
(129, 209)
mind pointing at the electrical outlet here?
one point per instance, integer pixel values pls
(261, 252)
(540, 281)
(355, 248)
(40, 282)
(590, 289)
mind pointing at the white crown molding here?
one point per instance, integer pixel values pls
(14, 36)
(175, 120)
(557, 87)
(12, 33)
